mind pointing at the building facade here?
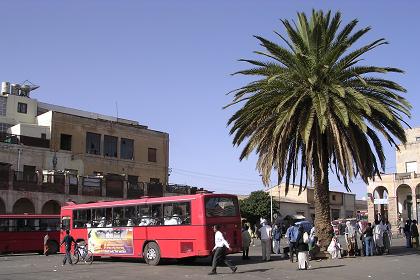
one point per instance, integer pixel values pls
(396, 196)
(342, 205)
(51, 154)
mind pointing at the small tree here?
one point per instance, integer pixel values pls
(257, 205)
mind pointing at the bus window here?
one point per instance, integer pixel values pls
(183, 209)
(108, 217)
(4, 224)
(49, 224)
(26, 225)
(144, 215)
(130, 215)
(81, 218)
(65, 223)
(177, 213)
(221, 207)
(156, 210)
(118, 217)
(98, 219)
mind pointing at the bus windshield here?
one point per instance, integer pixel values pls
(221, 207)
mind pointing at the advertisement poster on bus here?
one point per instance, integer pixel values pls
(113, 241)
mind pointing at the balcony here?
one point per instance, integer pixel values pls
(24, 140)
(114, 185)
(403, 176)
(26, 181)
(92, 186)
(154, 189)
(135, 189)
(178, 189)
(73, 183)
(53, 183)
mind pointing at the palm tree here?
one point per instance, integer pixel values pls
(315, 108)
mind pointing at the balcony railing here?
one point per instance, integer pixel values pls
(114, 186)
(135, 189)
(26, 181)
(24, 140)
(179, 189)
(402, 176)
(92, 186)
(53, 183)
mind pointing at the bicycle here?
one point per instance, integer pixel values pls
(81, 252)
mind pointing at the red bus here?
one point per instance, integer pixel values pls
(25, 233)
(153, 228)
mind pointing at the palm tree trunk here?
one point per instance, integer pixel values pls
(322, 204)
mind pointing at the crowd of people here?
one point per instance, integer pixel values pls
(360, 239)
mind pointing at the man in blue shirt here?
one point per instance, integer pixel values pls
(291, 235)
(68, 240)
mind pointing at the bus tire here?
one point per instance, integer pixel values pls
(52, 247)
(151, 253)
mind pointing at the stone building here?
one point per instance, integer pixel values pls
(396, 196)
(342, 205)
(51, 154)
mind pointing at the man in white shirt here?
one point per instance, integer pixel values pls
(220, 247)
(265, 231)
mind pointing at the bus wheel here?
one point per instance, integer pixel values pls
(52, 247)
(152, 253)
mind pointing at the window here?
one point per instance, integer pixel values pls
(417, 139)
(22, 108)
(65, 142)
(221, 207)
(335, 214)
(154, 180)
(4, 127)
(157, 217)
(81, 218)
(151, 155)
(110, 146)
(93, 143)
(127, 148)
(177, 213)
(3, 105)
(4, 224)
(43, 136)
(333, 197)
(118, 219)
(133, 181)
(411, 166)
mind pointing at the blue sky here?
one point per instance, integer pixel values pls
(167, 64)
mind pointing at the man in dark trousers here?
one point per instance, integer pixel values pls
(68, 240)
(220, 247)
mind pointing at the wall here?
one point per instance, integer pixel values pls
(143, 139)
(12, 115)
(31, 130)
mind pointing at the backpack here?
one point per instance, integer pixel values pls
(305, 238)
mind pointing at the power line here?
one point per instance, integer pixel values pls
(212, 175)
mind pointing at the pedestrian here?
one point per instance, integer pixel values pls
(291, 235)
(350, 234)
(387, 237)
(252, 234)
(334, 248)
(276, 239)
(407, 233)
(368, 235)
(415, 234)
(67, 241)
(378, 237)
(246, 242)
(302, 249)
(265, 233)
(220, 249)
(46, 248)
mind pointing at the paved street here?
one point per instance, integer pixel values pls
(401, 264)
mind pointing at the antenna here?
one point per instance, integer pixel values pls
(116, 107)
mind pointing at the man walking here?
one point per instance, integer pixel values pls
(265, 231)
(414, 234)
(67, 241)
(291, 235)
(220, 247)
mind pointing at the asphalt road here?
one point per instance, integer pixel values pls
(400, 264)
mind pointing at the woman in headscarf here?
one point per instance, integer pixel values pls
(378, 237)
(303, 249)
(334, 248)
